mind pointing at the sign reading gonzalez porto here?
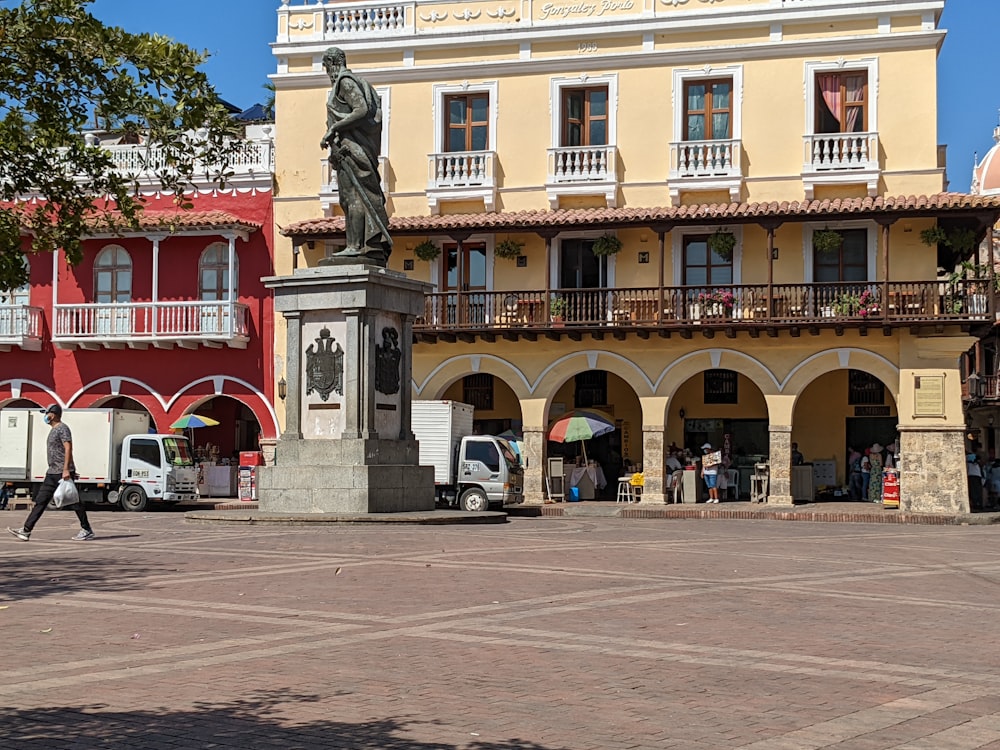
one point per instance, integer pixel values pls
(583, 9)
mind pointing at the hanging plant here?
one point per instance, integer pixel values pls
(827, 241)
(722, 242)
(934, 235)
(427, 250)
(607, 244)
(962, 241)
(508, 249)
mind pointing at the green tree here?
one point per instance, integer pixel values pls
(60, 71)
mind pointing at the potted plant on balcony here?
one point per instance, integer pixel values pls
(427, 250)
(508, 249)
(557, 310)
(716, 303)
(722, 242)
(826, 241)
(934, 235)
(607, 244)
(863, 304)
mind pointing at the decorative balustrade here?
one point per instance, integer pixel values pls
(461, 169)
(750, 305)
(569, 164)
(365, 19)
(181, 323)
(705, 159)
(831, 152)
(21, 326)
(245, 157)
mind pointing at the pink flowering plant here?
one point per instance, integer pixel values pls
(862, 305)
(717, 297)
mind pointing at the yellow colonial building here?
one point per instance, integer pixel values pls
(719, 221)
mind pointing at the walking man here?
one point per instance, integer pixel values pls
(59, 452)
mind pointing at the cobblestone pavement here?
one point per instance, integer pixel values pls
(542, 634)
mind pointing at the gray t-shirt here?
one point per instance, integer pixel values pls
(54, 449)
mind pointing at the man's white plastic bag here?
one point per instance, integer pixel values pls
(65, 494)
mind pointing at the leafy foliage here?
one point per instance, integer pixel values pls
(62, 71)
(508, 249)
(427, 250)
(827, 241)
(607, 244)
(722, 243)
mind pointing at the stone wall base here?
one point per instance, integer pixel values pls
(932, 473)
(345, 476)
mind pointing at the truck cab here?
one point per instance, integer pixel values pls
(489, 473)
(155, 467)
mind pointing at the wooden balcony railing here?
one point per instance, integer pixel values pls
(185, 324)
(20, 326)
(752, 305)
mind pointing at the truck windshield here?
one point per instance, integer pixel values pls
(512, 458)
(178, 451)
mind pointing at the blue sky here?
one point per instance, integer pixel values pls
(237, 34)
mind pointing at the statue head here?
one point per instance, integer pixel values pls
(334, 60)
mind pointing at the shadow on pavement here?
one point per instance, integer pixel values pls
(39, 575)
(255, 723)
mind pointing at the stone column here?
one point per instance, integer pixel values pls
(932, 474)
(653, 466)
(293, 403)
(534, 465)
(780, 459)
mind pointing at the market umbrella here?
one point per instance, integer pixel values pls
(581, 424)
(193, 420)
(513, 439)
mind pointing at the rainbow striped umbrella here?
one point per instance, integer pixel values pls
(581, 424)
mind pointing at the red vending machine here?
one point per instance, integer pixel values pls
(249, 461)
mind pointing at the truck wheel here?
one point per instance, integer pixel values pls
(133, 499)
(474, 500)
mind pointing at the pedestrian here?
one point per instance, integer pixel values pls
(59, 452)
(993, 485)
(797, 458)
(710, 474)
(854, 478)
(975, 474)
(875, 483)
(866, 474)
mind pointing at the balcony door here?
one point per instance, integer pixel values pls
(583, 277)
(708, 109)
(214, 286)
(113, 292)
(842, 102)
(465, 272)
(13, 308)
(585, 117)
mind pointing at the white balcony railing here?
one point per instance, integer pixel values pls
(841, 159)
(705, 159)
(247, 157)
(185, 324)
(828, 152)
(364, 19)
(461, 169)
(20, 326)
(583, 164)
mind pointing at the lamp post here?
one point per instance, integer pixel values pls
(282, 389)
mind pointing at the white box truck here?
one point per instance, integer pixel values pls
(116, 458)
(470, 471)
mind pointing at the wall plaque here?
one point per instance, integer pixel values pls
(928, 396)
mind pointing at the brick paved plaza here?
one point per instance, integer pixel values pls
(543, 633)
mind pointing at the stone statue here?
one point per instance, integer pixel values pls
(354, 137)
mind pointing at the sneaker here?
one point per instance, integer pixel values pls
(20, 534)
(83, 536)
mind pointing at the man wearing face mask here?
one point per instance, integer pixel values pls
(59, 452)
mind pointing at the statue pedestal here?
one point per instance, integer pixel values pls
(347, 445)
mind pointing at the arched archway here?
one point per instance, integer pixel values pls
(497, 408)
(238, 429)
(131, 404)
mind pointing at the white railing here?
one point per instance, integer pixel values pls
(151, 322)
(365, 19)
(20, 324)
(461, 169)
(832, 152)
(705, 159)
(582, 164)
(246, 157)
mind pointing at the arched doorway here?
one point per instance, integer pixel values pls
(130, 404)
(607, 454)
(238, 430)
(497, 409)
(726, 409)
(839, 410)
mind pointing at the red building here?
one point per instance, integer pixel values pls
(171, 319)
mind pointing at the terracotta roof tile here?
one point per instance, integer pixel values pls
(180, 220)
(638, 216)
